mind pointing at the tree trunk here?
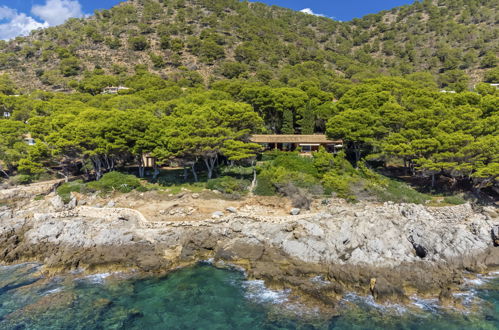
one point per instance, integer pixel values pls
(185, 173)
(356, 149)
(97, 167)
(156, 172)
(5, 173)
(210, 162)
(141, 166)
(87, 175)
(193, 168)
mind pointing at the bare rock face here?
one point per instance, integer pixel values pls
(57, 203)
(374, 249)
(495, 234)
(42, 188)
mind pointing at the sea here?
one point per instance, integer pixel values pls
(206, 297)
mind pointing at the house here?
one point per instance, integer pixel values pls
(114, 89)
(29, 140)
(495, 85)
(148, 160)
(305, 144)
(6, 114)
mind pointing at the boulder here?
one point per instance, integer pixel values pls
(495, 235)
(217, 215)
(72, 203)
(57, 203)
(195, 196)
(491, 212)
(111, 204)
(295, 211)
(231, 209)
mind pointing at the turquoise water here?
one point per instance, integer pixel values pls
(204, 297)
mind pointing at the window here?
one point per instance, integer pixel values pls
(306, 148)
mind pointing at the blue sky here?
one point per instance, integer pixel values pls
(18, 17)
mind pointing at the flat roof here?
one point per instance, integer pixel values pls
(293, 138)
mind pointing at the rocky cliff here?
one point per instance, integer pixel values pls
(391, 251)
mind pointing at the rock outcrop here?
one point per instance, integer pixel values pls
(389, 251)
(42, 188)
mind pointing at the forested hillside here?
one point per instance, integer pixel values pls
(198, 41)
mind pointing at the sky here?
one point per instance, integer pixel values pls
(19, 17)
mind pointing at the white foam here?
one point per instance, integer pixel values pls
(370, 302)
(431, 305)
(56, 290)
(320, 280)
(256, 291)
(97, 278)
(476, 281)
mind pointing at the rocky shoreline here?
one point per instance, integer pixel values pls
(390, 251)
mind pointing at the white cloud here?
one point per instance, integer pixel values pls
(56, 12)
(53, 12)
(7, 13)
(311, 12)
(17, 24)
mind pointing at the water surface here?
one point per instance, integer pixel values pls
(204, 297)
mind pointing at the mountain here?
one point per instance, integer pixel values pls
(198, 41)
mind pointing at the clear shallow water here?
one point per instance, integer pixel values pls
(204, 297)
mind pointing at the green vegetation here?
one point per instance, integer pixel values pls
(203, 76)
(115, 181)
(326, 174)
(229, 185)
(65, 189)
(110, 182)
(400, 192)
(454, 200)
(451, 39)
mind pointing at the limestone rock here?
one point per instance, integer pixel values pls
(495, 235)
(57, 203)
(231, 209)
(72, 203)
(217, 215)
(490, 211)
(195, 196)
(295, 211)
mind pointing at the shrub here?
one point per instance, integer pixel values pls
(299, 197)
(67, 188)
(264, 186)
(242, 171)
(228, 185)
(115, 181)
(273, 154)
(340, 185)
(296, 163)
(21, 179)
(139, 43)
(454, 200)
(400, 192)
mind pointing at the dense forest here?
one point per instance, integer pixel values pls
(408, 88)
